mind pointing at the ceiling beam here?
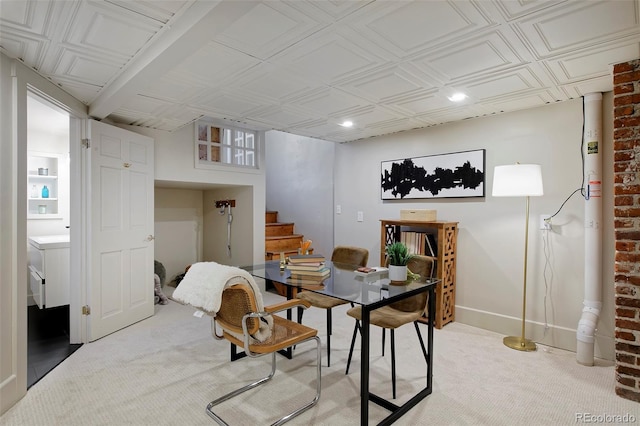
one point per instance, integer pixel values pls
(199, 24)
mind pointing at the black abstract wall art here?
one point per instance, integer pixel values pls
(453, 175)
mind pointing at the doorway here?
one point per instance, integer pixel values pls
(48, 232)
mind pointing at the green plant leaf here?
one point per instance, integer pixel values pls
(398, 254)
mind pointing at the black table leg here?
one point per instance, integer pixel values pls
(364, 367)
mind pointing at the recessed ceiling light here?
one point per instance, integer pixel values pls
(457, 97)
(347, 123)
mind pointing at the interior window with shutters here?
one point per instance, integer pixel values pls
(225, 145)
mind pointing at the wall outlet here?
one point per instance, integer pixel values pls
(545, 222)
(360, 217)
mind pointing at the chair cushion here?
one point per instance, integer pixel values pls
(386, 316)
(285, 333)
(320, 300)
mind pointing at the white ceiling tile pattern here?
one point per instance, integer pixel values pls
(304, 66)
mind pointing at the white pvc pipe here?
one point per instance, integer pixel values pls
(592, 152)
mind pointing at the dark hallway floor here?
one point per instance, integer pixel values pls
(48, 341)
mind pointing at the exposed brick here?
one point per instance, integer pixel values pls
(628, 235)
(629, 371)
(623, 200)
(621, 279)
(626, 189)
(626, 122)
(626, 358)
(626, 100)
(627, 155)
(623, 88)
(625, 246)
(625, 110)
(625, 313)
(625, 335)
(621, 166)
(628, 394)
(626, 77)
(627, 212)
(623, 67)
(627, 257)
(626, 144)
(628, 133)
(624, 223)
(629, 303)
(629, 325)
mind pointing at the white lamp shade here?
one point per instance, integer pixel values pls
(517, 180)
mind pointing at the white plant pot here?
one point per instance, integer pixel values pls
(397, 273)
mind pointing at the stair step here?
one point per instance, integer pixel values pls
(283, 243)
(278, 229)
(271, 217)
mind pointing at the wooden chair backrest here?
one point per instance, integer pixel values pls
(237, 301)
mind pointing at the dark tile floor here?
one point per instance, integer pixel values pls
(48, 341)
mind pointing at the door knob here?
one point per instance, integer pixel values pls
(150, 238)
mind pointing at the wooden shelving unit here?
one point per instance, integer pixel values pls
(446, 238)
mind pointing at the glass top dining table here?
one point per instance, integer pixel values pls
(370, 292)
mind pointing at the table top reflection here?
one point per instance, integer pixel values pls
(343, 283)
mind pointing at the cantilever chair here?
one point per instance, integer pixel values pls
(398, 314)
(342, 255)
(239, 320)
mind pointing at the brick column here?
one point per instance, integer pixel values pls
(626, 140)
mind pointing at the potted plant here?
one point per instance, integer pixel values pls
(398, 256)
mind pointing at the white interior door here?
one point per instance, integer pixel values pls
(121, 289)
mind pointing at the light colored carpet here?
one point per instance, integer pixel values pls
(164, 371)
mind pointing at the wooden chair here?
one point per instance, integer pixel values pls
(347, 256)
(239, 320)
(397, 314)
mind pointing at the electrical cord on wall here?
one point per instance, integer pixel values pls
(581, 189)
(546, 240)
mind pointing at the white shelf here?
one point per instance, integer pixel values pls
(52, 177)
(50, 180)
(36, 216)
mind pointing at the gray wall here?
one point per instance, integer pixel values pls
(299, 185)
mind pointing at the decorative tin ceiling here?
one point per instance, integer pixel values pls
(304, 67)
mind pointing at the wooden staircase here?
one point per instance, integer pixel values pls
(279, 238)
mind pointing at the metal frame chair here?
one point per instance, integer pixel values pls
(346, 255)
(397, 314)
(239, 320)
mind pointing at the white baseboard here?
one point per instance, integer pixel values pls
(554, 336)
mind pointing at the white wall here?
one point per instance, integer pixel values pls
(175, 165)
(299, 182)
(178, 228)
(491, 230)
(215, 226)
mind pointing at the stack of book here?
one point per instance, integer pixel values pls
(308, 269)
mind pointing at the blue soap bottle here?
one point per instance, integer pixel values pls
(45, 192)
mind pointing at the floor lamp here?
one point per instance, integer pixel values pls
(519, 180)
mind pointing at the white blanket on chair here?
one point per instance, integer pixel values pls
(202, 288)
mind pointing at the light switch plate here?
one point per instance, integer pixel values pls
(360, 217)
